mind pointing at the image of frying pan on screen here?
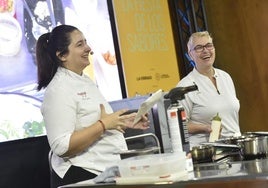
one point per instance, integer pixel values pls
(39, 17)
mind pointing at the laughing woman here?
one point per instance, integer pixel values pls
(216, 93)
(82, 130)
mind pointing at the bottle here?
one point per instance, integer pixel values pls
(174, 128)
(216, 128)
(178, 128)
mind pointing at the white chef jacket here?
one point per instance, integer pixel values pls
(72, 102)
(202, 105)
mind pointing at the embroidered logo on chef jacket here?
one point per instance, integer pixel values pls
(83, 95)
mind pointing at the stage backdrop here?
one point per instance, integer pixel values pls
(146, 45)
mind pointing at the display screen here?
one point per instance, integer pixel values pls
(21, 23)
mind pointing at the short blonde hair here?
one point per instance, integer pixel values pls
(197, 35)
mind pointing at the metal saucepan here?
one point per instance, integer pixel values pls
(202, 153)
(254, 147)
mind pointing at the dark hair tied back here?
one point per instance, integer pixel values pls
(47, 47)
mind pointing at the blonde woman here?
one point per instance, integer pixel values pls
(216, 92)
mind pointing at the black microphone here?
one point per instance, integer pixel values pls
(91, 52)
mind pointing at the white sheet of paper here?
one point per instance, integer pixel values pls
(147, 105)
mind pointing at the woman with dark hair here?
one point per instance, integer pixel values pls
(82, 130)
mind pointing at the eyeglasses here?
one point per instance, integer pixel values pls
(200, 48)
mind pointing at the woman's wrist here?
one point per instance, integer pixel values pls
(102, 125)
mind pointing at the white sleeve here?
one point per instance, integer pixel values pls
(59, 112)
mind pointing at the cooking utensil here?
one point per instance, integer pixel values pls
(233, 140)
(202, 153)
(254, 147)
(221, 145)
